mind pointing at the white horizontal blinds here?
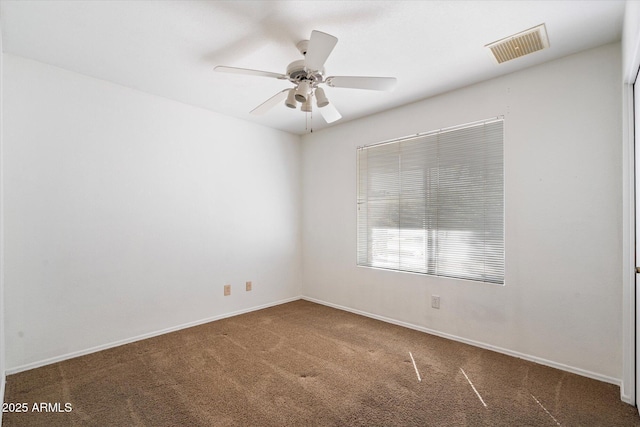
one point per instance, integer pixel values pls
(434, 204)
(378, 204)
(418, 162)
(471, 203)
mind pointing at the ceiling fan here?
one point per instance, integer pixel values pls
(307, 74)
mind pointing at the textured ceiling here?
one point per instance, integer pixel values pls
(169, 48)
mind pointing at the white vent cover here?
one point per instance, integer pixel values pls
(517, 45)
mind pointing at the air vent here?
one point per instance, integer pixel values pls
(517, 45)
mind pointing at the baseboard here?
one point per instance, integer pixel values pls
(508, 352)
(79, 353)
(479, 344)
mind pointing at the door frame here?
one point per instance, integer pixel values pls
(630, 381)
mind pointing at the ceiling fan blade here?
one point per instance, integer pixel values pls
(329, 113)
(270, 103)
(320, 47)
(355, 82)
(235, 70)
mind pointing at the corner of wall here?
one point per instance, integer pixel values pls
(2, 343)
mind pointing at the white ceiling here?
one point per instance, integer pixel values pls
(169, 48)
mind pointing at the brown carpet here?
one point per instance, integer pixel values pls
(304, 364)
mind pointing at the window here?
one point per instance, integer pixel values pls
(433, 203)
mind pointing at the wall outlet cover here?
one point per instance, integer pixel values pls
(435, 301)
(227, 290)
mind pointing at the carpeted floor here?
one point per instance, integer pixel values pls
(304, 364)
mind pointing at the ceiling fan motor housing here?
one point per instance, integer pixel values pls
(296, 72)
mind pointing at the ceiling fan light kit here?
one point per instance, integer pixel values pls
(291, 99)
(321, 98)
(303, 91)
(306, 106)
(307, 74)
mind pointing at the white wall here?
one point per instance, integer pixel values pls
(2, 299)
(563, 294)
(127, 213)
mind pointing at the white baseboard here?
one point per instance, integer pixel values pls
(71, 355)
(508, 352)
(626, 398)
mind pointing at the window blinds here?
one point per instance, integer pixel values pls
(434, 203)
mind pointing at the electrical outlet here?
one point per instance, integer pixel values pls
(227, 290)
(435, 301)
(248, 284)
